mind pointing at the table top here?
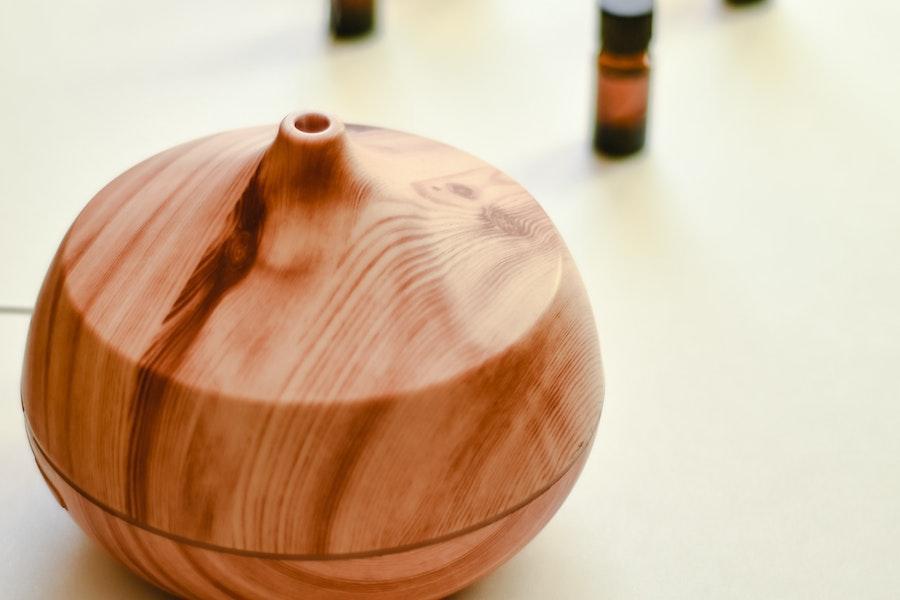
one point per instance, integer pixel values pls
(743, 270)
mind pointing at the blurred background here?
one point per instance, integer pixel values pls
(744, 268)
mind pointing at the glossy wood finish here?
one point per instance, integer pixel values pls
(343, 343)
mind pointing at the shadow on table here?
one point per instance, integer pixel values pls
(92, 573)
(550, 566)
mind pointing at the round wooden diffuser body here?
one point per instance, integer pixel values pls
(312, 361)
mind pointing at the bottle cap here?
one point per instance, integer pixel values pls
(626, 27)
(627, 8)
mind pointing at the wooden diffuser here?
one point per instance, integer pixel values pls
(312, 361)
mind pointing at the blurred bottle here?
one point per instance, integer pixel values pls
(623, 76)
(352, 18)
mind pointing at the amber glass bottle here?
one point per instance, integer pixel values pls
(623, 76)
(351, 18)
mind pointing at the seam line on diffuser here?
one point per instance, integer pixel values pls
(288, 556)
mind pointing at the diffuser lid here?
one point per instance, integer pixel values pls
(346, 262)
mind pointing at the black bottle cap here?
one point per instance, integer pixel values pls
(625, 34)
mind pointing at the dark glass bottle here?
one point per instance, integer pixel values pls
(623, 77)
(352, 18)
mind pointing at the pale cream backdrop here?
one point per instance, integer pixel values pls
(745, 270)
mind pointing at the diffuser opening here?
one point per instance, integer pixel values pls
(312, 123)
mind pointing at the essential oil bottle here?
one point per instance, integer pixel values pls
(623, 76)
(352, 18)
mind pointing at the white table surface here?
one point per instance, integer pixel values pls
(745, 270)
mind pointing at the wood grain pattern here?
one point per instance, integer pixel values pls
(338, 343)
(431, 571)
